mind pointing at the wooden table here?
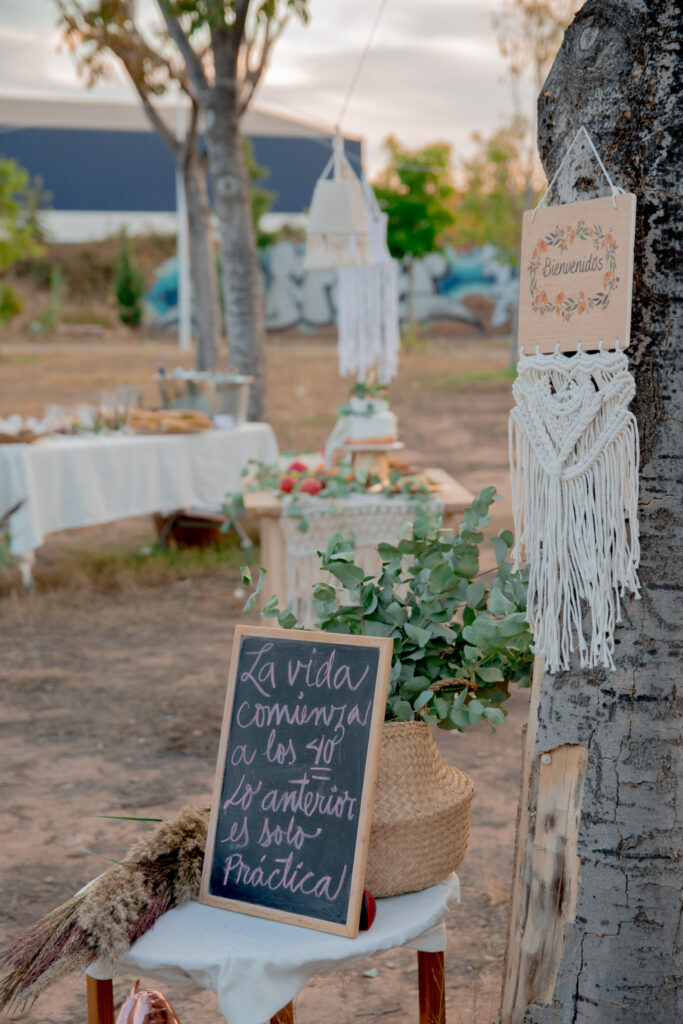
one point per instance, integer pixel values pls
(266, 508)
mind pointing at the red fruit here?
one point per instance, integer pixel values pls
(297, 467)
(287, 484)
(311, 486)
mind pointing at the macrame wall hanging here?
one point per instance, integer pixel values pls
(367, 305)
(337, 234)
(573, 441)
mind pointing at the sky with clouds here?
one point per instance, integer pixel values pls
(433, 72)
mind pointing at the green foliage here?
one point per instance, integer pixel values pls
(129, 286)
(19, 237)
(415, 191)
(457, 644)
(494, 196)
(260, 198)
(10, 303)
(50, 318)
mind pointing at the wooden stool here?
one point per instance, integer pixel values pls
(431, 986)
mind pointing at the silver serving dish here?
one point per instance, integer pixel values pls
(216, 394)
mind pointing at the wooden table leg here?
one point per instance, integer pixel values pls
(432, 987)
(283, 1016)
(100, 1001)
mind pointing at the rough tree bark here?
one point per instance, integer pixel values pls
(206, 313)
(223, 98)
(596, 918)
(244, 316)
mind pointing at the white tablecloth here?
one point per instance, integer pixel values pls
(256, 966)
(83, 481)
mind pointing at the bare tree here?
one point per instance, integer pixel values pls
(225, 45)
(108, 28)
(596, 915)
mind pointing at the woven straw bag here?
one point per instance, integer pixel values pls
(421, 816)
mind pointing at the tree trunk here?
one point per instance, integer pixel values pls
(596, 913)
(202, 263)
(244, 317)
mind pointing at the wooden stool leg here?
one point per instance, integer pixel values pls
(100, 1001)
(284, 1016)
(432, 986)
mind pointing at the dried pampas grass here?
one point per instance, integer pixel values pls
(161, 870)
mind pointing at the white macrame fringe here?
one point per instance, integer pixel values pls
(574, 467)
(367, 305)
(367, 316)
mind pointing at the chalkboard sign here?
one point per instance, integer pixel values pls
(291, 809)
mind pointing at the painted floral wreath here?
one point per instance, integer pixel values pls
(566, 305)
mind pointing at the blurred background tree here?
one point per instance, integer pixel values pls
(529, 34)
(492, 195)
(129, 285)
(261, 198)
(19, 232)
(101, 30)
(415, 191)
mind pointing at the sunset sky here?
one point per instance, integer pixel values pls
(433, 72)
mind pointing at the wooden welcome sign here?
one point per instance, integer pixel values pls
(291, 809)
(576, 273)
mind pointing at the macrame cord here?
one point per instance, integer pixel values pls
(574, 457)
(367, 305)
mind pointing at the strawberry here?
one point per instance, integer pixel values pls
(287, 484)
(297, 467)
(311, 486)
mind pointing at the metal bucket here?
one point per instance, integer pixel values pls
(216, 394)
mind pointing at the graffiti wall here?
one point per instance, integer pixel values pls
(444, 285)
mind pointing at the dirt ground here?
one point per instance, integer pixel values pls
(112, 690)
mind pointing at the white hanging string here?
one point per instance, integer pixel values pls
(616, 189)
(361, 62)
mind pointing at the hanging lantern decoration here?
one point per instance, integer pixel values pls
(337, 222)
(367, 304)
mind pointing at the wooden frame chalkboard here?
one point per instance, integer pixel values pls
(291, 810)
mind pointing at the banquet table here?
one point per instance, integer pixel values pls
(290, 557)
(67, 482)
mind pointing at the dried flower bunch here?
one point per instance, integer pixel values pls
(162, 870)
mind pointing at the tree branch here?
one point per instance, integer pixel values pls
(252, 76)
(192, 61)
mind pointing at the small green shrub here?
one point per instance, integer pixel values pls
(10, 303)
(129, 286)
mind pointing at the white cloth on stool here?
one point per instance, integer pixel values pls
(256, 966)
(82, 481)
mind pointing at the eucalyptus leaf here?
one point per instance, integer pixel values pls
(419, 635)
(422, 699)
(489, 674)
(475, 593)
